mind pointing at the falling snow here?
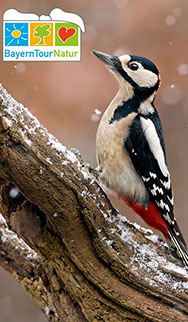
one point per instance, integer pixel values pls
(121, 51)
(14, 192)
(182, 69)
(171, 94)
(120, 3)
(97, 111)
(20, 68)
(96, 115)
(170, 20)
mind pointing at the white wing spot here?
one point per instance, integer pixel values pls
(153, 191)
(163, 205)
(167, 217)
(145, 179)
(153, 175)
(166, 184)
(133, 151)
(156, 189)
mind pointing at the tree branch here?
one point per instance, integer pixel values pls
(77, 257)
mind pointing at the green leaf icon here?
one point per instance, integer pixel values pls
(41, 32)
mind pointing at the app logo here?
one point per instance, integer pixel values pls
(28, 37)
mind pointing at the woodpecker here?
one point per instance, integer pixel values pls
(130, 148)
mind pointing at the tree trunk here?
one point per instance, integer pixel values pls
(61, 238)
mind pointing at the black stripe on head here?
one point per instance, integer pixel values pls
(117, 67)
(146, 63)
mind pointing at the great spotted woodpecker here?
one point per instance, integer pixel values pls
(131, 151)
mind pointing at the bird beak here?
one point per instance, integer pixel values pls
(105, 58)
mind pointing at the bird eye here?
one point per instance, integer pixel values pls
(133, 66)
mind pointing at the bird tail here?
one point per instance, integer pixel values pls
(179, 247)
(172, 234)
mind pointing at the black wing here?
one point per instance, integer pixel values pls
(146, 149)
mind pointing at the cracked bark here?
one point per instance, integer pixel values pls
(66, 244)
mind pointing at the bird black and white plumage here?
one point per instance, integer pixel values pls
(131, 151)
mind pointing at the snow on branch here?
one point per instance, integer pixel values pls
(10, 238)
(89, 254)
(29, 126)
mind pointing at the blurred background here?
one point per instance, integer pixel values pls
(65, 95)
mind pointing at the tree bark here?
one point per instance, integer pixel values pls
(65, 243)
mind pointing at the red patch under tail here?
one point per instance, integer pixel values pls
(150, 215)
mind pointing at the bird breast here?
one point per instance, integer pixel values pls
(117, 171)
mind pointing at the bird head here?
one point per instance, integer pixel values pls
(137, 73)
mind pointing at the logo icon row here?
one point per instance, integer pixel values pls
(40, 34)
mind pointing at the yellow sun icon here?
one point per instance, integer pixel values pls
(16, 33)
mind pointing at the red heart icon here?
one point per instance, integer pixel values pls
(65, 33)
